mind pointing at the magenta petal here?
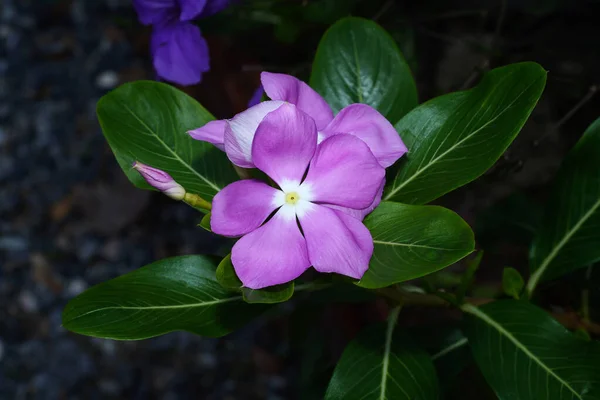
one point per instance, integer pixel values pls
(242, 206)
(361, 214)
(213, 132)
(179, 52)
(344, 172)
(240, 130)
(285, 142)
(190, 9)
(374, 129)
(336, 241)
(290, 89)
(273, 254)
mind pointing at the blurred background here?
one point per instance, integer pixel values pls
(69, 219)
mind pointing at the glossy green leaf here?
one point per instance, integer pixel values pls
(148, 122)
(358, 62)
(569, 235)
(525, 354)
(512, 282)
(227, 277)
(174, 294)
(413, 241)
(383, 363)
(455, 138)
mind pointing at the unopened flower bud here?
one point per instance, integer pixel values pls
(160, 180)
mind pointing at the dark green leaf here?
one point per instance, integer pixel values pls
(148, 122)
(512, 282)
(569, 235)
(269, 295)
(468, 277)
(174, 294)
(205, 222)
(413, 241)
(455, 138)
(526, 354)
(383, 363)
(358, 62)
(227, 277)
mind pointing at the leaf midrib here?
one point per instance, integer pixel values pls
(469, 308)
(173, 153)
(456, 145)
(537, 275)
(166, 307)
(393, 318)
(412, 245)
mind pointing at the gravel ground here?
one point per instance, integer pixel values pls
(69, 220)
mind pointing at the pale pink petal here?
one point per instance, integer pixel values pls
(273, 254)
(336, 241)
(213, 132)
(285, 142)
(290, 89)
(361, 214)
(344, 172)
(374, 129)
(240, 131)
(243, 206)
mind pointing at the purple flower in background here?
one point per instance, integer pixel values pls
(179, 52)
(235, 136)
(160, 180)
(314, 181)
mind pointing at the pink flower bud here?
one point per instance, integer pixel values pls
(160, 180)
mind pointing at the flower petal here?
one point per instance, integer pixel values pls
(153, 12)
(190, 9)
(344, 172)
(179, 52)
(374, 129)
(361, 214)
(243, 206)
(290, 89)
(336, 242)
(240, 130)
(213, 132)
(285, 142)
(273, 254)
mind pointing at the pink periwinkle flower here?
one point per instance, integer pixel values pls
(179, 52)
(287, 229)
(160, 180)
(235, 136)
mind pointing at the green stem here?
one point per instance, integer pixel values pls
(196, 201)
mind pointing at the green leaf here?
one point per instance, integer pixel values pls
(455, 138)
(269, 295)
(468, 277)
(205, 222)
(570, 231)
(526, 354)
(174, 294)
(148, 122)
(413, 241)
(227, 277)
(358, 62)
(512, 282)
(383, 363)
(448, 348)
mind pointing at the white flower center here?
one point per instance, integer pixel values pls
(294, 199)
